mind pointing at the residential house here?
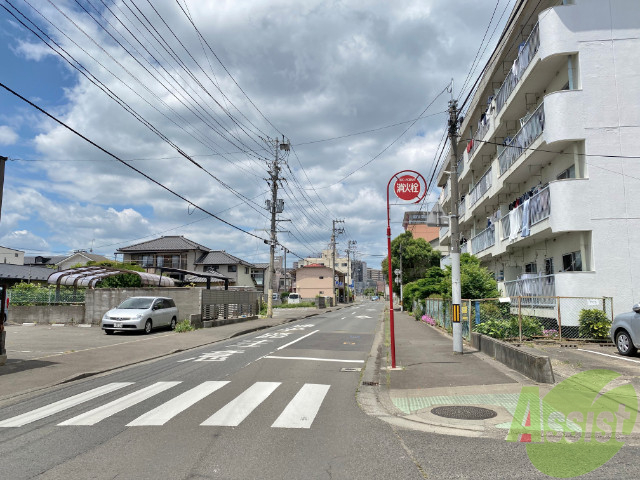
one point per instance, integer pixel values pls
(11, 256)
(63, 262)
(548, 183)
(239, 272)
(316, 280)
(170, 251)
(343, 264)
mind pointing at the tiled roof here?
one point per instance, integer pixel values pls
(24, 272)
(44, 260)
(220, 257)
(261, 265)
(165, 244)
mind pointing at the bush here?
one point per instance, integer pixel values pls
(184, 326)
(509, 328)
(594, 323)
(295, 305)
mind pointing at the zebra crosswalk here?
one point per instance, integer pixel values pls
(300, 412)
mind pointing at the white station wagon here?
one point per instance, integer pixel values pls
(141, 313)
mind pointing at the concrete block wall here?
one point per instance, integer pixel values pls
(98, 301)
(47, 314)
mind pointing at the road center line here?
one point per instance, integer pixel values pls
(608, 355)
(297, 340)
(314, 359)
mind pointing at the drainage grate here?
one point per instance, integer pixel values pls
(370, 384)
(464, 412)
(351, 369)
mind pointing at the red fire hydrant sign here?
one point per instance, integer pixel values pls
(407, 187)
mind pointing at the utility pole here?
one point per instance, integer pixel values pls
(3, 288)
(455, 231)
(351, 248)
(333, 256)
(274, 206)
(285, 269)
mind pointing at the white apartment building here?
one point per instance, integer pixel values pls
(548, 201)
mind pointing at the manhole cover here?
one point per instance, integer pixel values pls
(464, 412)
(351, 369)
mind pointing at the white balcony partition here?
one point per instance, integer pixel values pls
(529, 132)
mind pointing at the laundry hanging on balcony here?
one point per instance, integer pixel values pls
(525, 219)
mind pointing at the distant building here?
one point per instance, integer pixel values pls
(11, 256)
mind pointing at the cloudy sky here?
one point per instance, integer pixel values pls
(357, 86)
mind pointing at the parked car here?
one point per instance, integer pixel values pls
(625, 331)
(294, 298)
(374, 298)
(141, 313)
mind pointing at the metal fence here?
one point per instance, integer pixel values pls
(46, 296)
(519, 318)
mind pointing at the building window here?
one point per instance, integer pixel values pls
(16, 255)
(321, 291)
(147, 260)
(572, 262)
(321, 277)
(232, 268)
(246, 270)
(568, 173)
(548, 266)
(531, 268)
(213, 268)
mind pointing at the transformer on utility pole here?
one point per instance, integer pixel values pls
(274, 206)
(455, 231)
(333, 256)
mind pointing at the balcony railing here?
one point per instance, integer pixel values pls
(460, 166)
(462, 208)
(464, 248)
(532, 285)
(530, 131)
(526, 53)
(484, 240)
(539, 209)
(445, 190)
(482, 187)
(444, 230)
(483, 128)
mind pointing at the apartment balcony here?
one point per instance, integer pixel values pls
(481, 188)
(462, 208)
(538, 209)
(464, 248)
(532, 128)
(533, 285)
(525, 55)
(483, 240)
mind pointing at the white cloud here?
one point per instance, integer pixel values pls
(7, 135)
(315, 69)
(24, 240)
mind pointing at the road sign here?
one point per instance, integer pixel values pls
(407, 187)
(397, 271)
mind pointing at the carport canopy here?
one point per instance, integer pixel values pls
(90, 276)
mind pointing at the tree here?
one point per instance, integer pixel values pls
(423, 288)
(417, 258)
(475, 281)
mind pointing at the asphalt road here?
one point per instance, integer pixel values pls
(273, 404)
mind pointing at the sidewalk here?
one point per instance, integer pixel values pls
(63, 354)
(430, 375)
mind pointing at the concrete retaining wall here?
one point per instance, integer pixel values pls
(537, 367)
(47, 314)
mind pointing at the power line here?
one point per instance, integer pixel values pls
(102, 149)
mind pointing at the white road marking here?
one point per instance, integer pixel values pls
(363, 316)
(315, 359)
(353, 313)
(234, 412)
(608, 355)
(168, 410)
(62, 405)
(303, 408)
(187, 359)
(343, 318)
(291, 343)
(97, 414)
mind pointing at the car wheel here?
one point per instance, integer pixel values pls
(172, 325)
(148, 326)
(109, 332)
(624, 344)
